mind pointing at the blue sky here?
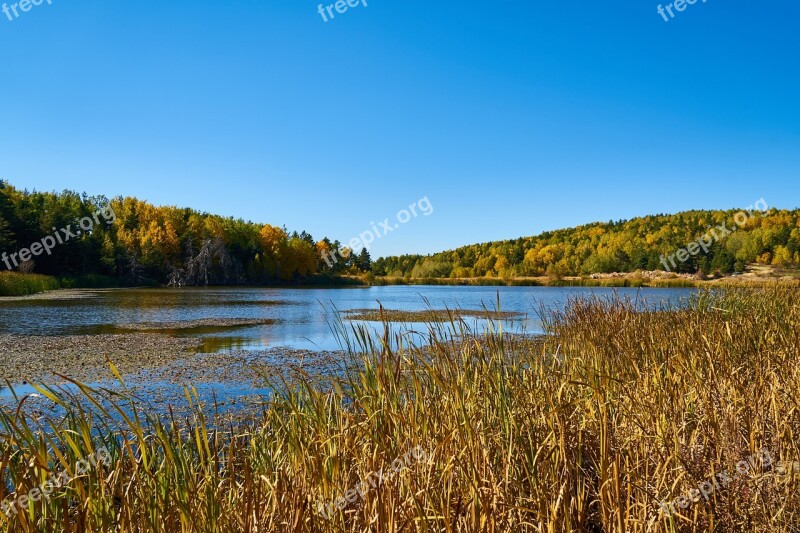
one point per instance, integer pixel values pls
(512, 117)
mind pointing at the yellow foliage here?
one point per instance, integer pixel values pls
(272, 240)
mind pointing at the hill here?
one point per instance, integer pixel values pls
(710, 242)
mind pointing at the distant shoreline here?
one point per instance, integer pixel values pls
(755, 274)
(20, 286)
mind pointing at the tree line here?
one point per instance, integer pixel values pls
(769, 238)
(168, 245)
(181, 246)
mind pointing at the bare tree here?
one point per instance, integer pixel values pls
(131, 269)
(211, 264)
(176, 277)
(26, 267)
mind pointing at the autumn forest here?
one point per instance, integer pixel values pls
(181, 246)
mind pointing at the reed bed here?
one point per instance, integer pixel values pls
(16, 284)
(588, 428)
(20, 284)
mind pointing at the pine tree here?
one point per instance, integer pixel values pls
(364, 261)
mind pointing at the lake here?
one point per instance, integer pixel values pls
(294, 329)
(300, 318)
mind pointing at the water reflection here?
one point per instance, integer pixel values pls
(299, 318)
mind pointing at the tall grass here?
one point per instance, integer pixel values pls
(585, 429)
(16, 284)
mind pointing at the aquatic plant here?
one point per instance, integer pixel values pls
(588, 428)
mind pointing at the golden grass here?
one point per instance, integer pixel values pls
(584, 430)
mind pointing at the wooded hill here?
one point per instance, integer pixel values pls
(181, 246)
(644, 243)
(167, 245)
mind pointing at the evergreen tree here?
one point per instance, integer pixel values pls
(364, 261)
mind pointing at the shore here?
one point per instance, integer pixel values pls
(15, 286)
(755, 274)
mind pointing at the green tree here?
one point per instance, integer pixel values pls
(364, 261)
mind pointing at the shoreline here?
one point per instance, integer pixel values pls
(32, 286)
(653, 279)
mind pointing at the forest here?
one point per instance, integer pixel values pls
(183, 247)
(769, 238)
(163, 245)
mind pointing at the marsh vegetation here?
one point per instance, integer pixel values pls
(615, 410)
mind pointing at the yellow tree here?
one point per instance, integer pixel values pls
(324, 254)
(273, 241)
(501, 266)
(782, 256)
(301, 259)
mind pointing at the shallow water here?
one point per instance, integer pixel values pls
(154, 397)
(300, 318)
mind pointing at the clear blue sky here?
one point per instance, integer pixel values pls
(513, 117)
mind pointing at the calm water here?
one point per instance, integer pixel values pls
(301, 316)
(298, 318)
